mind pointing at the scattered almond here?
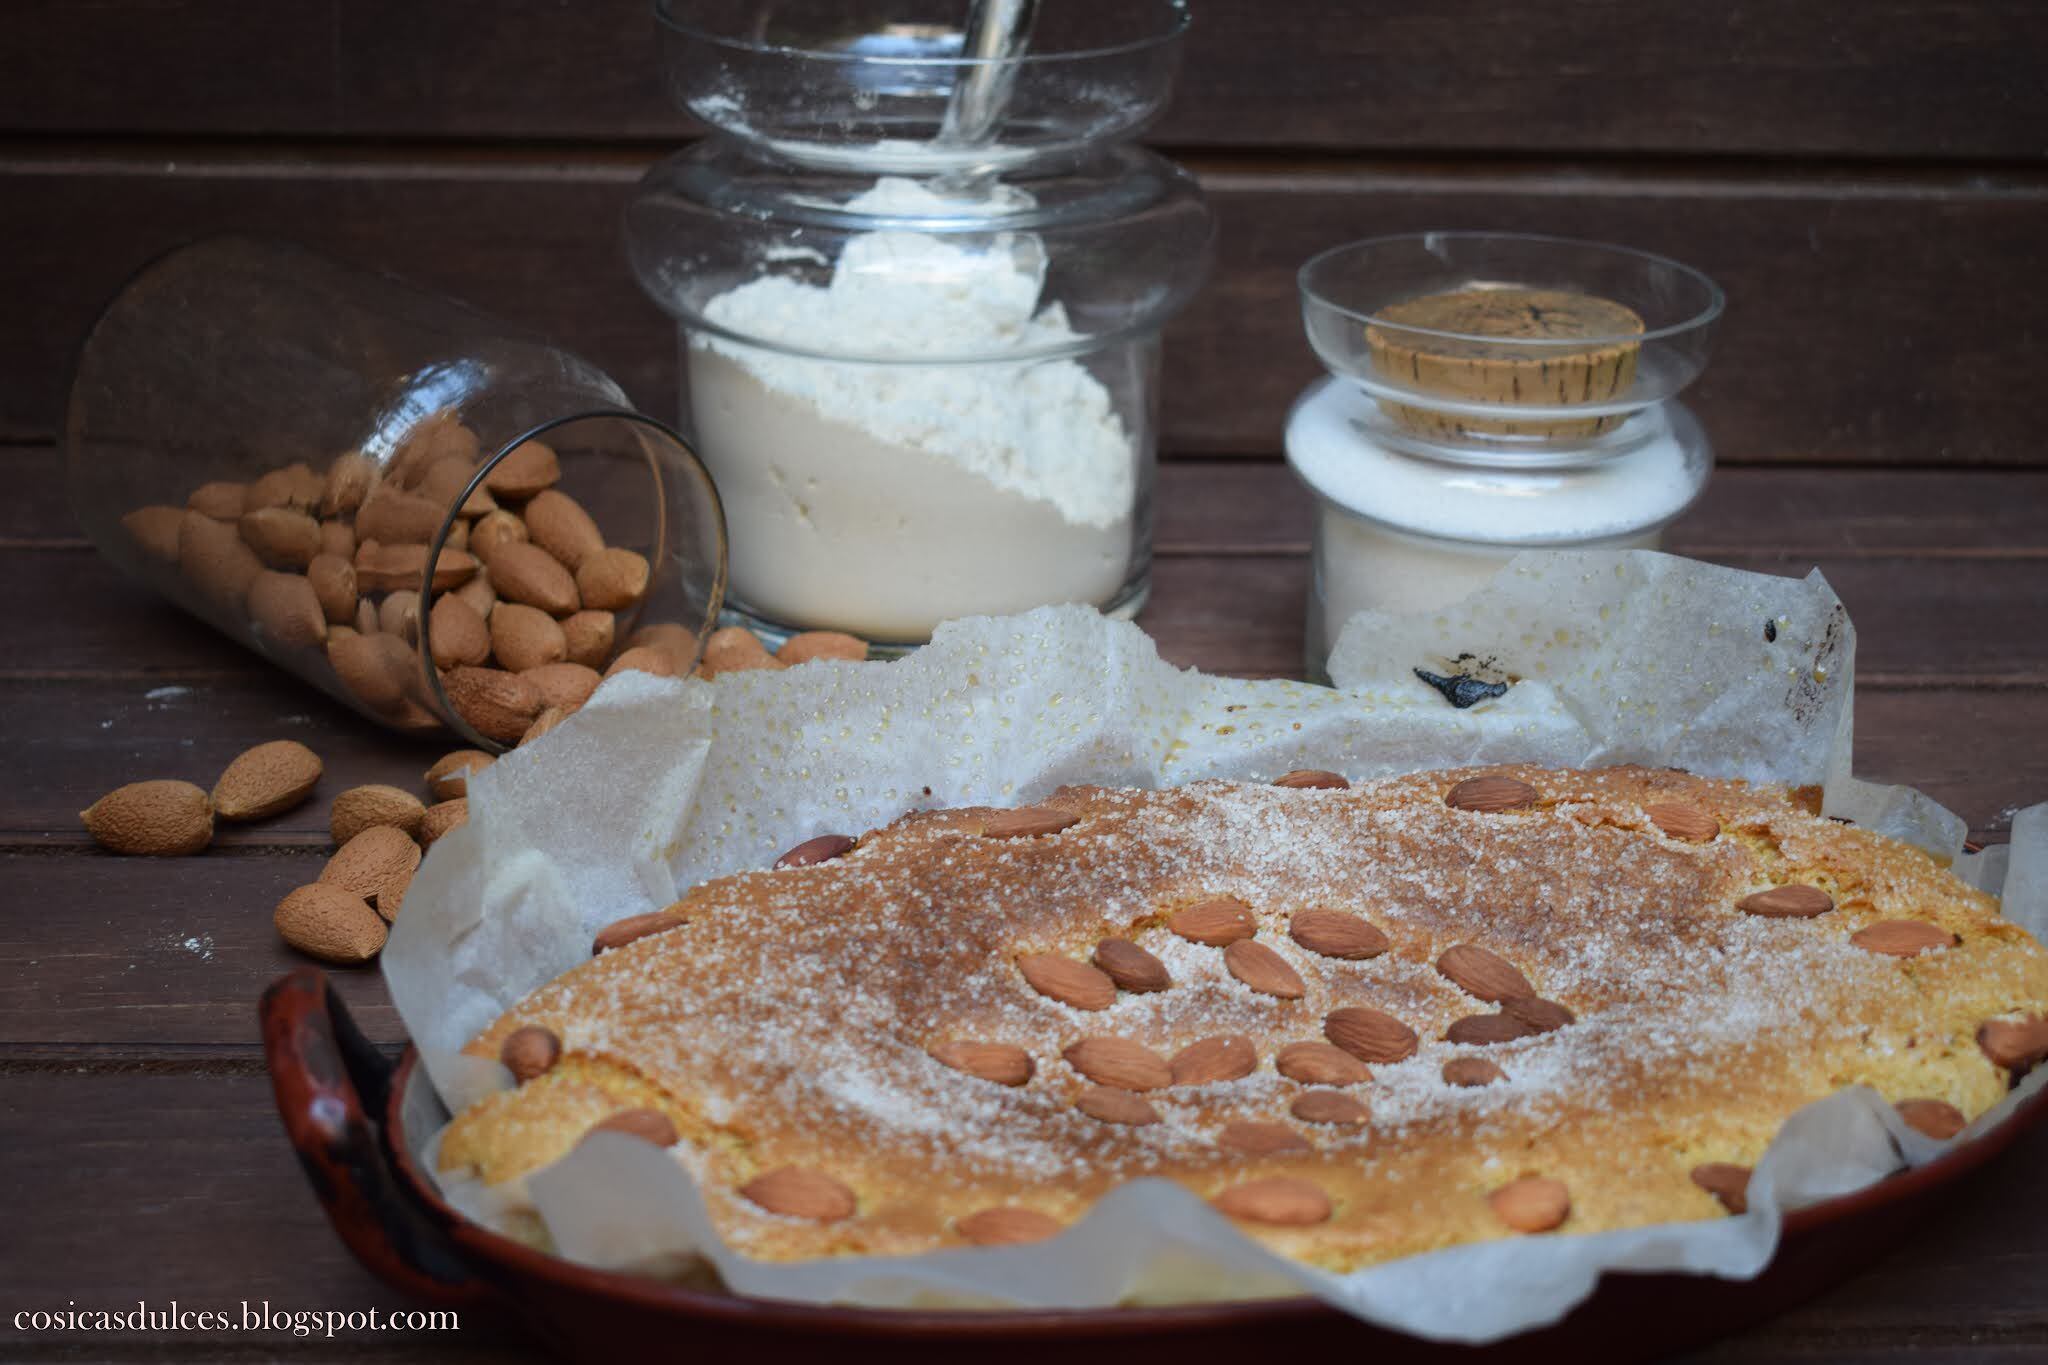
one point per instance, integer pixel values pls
(1226, 1057)
(998, 1062)
(159, 819)
(1795, 901)
(649, 1125)
(643, 659)
(1067, 981)
(283, 607)
(1491, 794)
(588, 635)
(1110, 1104)
(529, 1052)
(155, 531)
(1902, 937)
(449, 777)
(1218, 922)
(376, 865)
(1484, 1030)
(1472, 1071)
(1369, 1035)
(1118, 1062)
(1131, 967)
(1726, 1181)
(1478, 971)
(2015, 1044)
(327, 922)
(498, 705)
(1007, 1225)
(221, 500)
(333, 580)
(1262, 970)
(1028, 822)
(620, 932)
(361, 808)
(821, 849)
(1682, 820)
(524, 637)
(266, 780)
(1260, 1137)
(1281, 1202)
(1328, 1106)
(524, 471)
(441, 817)
(1532, 1204)
(1937, 1119)
(1313, 778)
(1320, 1064)
(612, 579)
(800, 1192)
(282, 537)
(1335, 933)
(807, 645)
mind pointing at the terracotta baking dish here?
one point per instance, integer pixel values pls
(341, 1100)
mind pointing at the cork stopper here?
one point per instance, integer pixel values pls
(1473, 369)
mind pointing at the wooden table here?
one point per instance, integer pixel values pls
(141, 1156)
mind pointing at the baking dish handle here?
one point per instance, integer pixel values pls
(329, 1080)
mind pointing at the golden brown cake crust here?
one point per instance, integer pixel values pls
(786, 1021)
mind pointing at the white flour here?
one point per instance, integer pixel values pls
(881, 496)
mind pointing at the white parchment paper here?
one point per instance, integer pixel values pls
(657, 784)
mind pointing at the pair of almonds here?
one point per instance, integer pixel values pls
(169, 818)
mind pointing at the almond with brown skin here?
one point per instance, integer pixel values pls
(1218, 922)
(1683, 821)
(1472, 1071)
(1484, 1030)
(1320, 1064)
(1313, 779)
(1333, 1107)
(1131, 967)
(296, 485)
(1902, 937)
(1260, 1137)
(379, 669)
(530, 1052)
(563, 684)
(649, 1125)
(333, 580)
(730, 649)
(347, 483)
(478, 592)
(222, 500)
(1007, 1225)
(155, 531)
(441, 817)
(1726, 1181)
(398, 517)
(376, 865)
(440, 436)
(612, 579)
(1538, 1014)
(282, 537)
(267, 780)
(526, 470)
(284, 608)
(493, 531)
(1491, 794)
(1369, 1035)
(681, 642)
(499, 705)
(393, 568)
(447, 479)
(558, 524)
(589, 637)
(1226, 1057)
(998, 1062)
(1067, 981)
(1334, 933)
(643, 660)
(807, 645)
(1262, 970)
(524, 637)
(1793, 901)
(1027, 822)
(1937, 1119)
(338, 538)
(327, 922)
(157, 819)
(2015, 1044)
(361, 808)
(449, 777)
(1532, 1204)
(821, 849)
(530, 575)
(545, 723)
(214, 559)
(801, 1192)
(1481, 972)
(1280, 1202)
(456, 634)
(620, 932)
(399, 614)
(1118, 1062)
(1109, 1104)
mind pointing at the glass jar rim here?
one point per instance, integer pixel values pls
(1181, 17)
(1716, 299)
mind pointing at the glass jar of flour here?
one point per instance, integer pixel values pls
(1490, 393)
(920, 291)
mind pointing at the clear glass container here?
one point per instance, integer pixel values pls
(312, 457)
(1437, 453)
(923, 368)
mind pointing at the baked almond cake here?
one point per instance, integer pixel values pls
(1363, 1020)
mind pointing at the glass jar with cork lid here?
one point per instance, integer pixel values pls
(1490, 393)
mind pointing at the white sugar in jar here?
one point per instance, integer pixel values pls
(1489, 393)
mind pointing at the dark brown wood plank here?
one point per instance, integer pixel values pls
(1896, 78)
(129, 1188)
(1830, 352)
